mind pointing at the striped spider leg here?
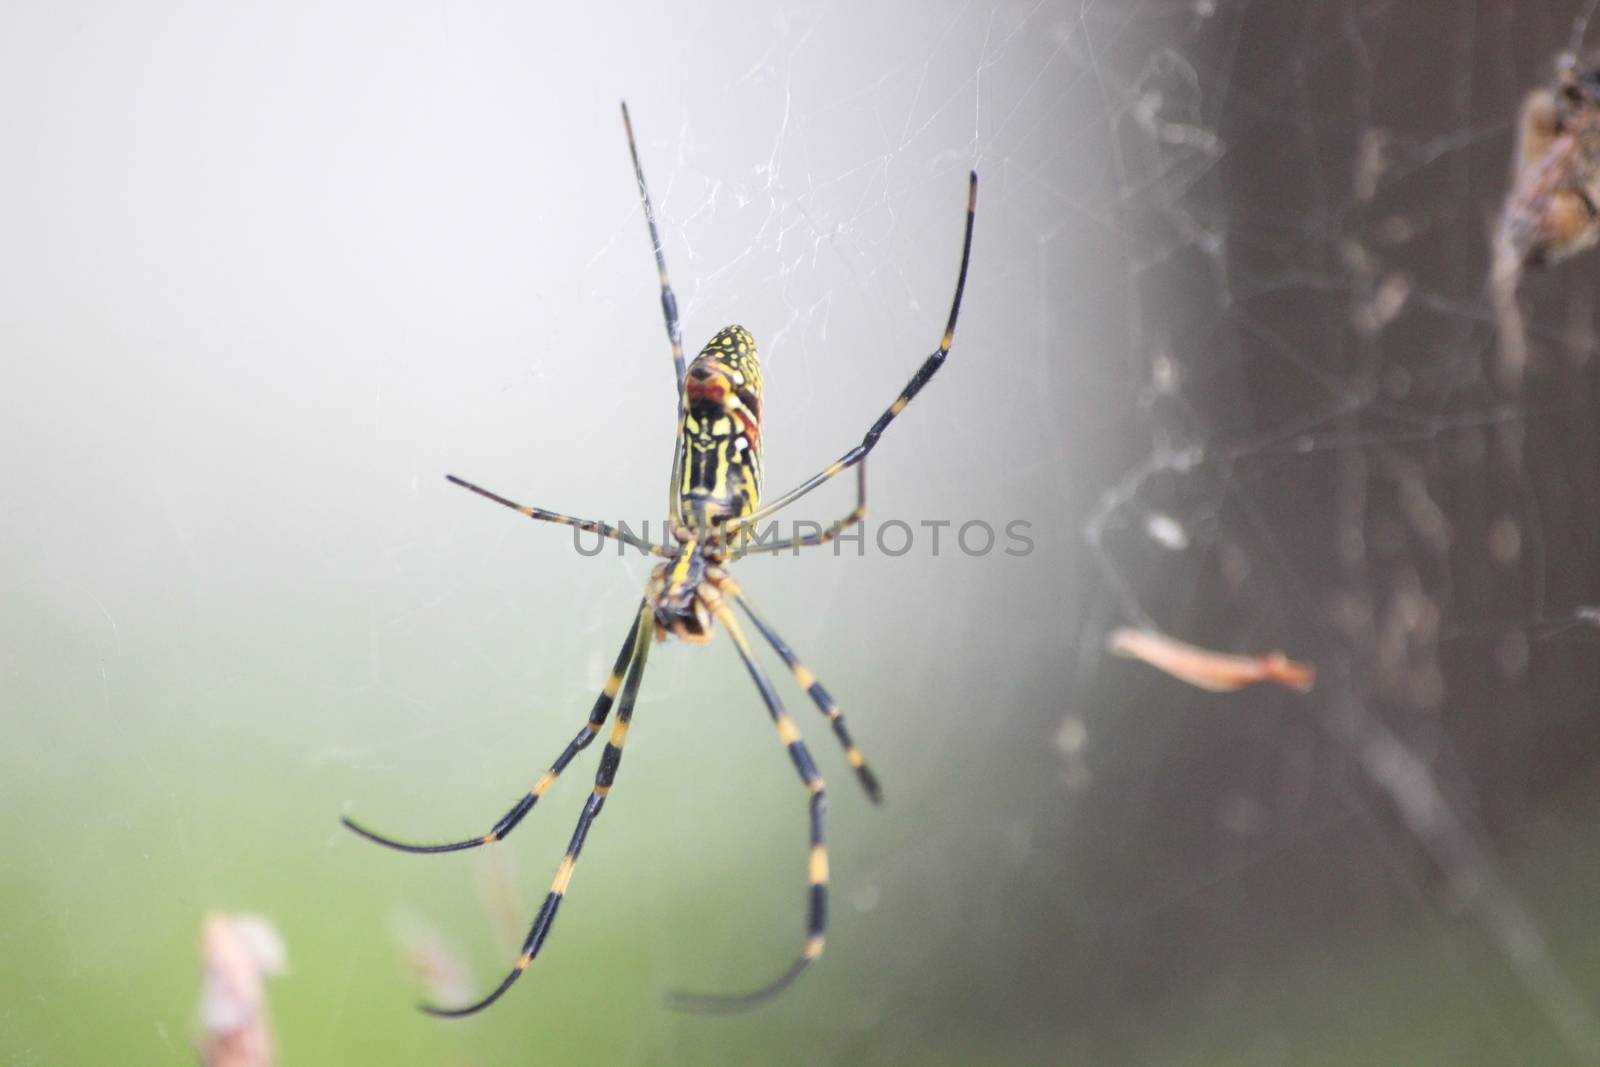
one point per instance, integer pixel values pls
(816, 790)
(508, 822)
(929, 368)
(821, 537)
(610, 759)
(625, 676)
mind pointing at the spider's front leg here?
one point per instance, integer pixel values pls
(817, 864)
(610, 759)
(814, 689)
(509, 821)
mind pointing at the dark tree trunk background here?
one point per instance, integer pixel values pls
(1304, 197)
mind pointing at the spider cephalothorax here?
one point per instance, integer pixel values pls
(679, 596)
(716, 502)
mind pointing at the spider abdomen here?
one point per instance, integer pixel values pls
(721, 449)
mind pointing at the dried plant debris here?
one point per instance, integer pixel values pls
(1218, 672)
(237, 953)
(436, 964)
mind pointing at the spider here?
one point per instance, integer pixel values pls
(714, 503)
(1551, 212)
(1553, 209)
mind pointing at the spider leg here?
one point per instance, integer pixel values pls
(929, 368)
(669, 308)
(819, 696)
(609, 760)
(508, 821)
(822, 538)
(817, 867)
(586, 525)
(669, 302)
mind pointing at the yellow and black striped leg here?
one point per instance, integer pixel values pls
(669, 302)
(817, 866)
(508, 822)
(929, 368)
(586, 525)
(819, 696)
(609, 760)
(824, 536)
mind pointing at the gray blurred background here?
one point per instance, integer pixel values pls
(269, 273)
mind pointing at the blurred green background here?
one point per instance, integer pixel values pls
(269, 274)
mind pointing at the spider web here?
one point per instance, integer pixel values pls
(1227, 348)
(1332, 466)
